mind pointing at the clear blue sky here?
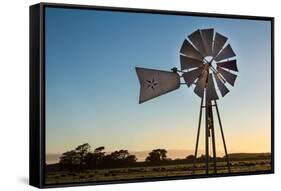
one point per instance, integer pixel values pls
(92, 90)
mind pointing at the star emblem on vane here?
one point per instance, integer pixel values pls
(151, 84)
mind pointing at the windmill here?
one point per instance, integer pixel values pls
(208, 63)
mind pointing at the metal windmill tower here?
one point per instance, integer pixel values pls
(207, 63)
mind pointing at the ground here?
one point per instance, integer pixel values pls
(237, 166)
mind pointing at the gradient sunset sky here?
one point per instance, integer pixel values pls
(92, 89)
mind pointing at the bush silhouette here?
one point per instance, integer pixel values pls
(157, 155)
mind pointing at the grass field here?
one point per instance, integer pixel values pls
(56, 177)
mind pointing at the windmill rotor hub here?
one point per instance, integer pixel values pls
(208, 60)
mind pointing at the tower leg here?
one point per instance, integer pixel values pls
(211, 127)
(207, 133)
(198, 134)
(223, 139)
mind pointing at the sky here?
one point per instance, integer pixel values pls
(92, 90)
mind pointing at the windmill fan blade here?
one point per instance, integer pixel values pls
(197, 41)
(156, 82)
(207, 37)
(227, 52)
(188, 50)
(190, 76)
(200, 84)
(211, 93)
(219, 42)
(231, 65)
(223, 89)
(228, 76)
(187, 63)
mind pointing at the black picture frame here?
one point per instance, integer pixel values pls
(37, 91)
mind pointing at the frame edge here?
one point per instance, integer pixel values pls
(35, 178)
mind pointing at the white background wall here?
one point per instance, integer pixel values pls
(14, 51)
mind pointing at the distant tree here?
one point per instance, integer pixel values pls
(99, 153)
(123, 157)
(190, 158)
(99, 150)
(131, 159)
(119, 158)
(120, 155)
(156, 155)
(95, 159)
(82, 151)
(69, 161)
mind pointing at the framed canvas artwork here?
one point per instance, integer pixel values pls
(123, 95)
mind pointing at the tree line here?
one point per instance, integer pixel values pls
(83, 157)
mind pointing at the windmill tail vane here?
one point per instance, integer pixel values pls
(208, 64)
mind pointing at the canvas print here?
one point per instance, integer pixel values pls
(143, 96)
